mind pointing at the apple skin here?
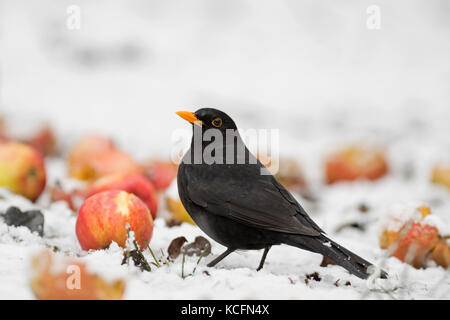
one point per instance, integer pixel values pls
(49, 281)
(289, 173)
(102, 219)
(160, 173)
(44, 141)
(441, 253)
(355, 163)
(441, 175)
(22, 169)
(96, 156)
(130, 182)
(178, 211)
(89, 146)
(418, 239)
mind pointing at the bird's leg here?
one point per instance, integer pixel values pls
(263, 259)
(221, 257)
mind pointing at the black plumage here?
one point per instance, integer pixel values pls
(240, 208)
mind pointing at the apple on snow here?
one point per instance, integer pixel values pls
(131, 182)
(355, 163)
(103, 218)
(96, 156)
(22, 169)
(410, 237)
(55, 278)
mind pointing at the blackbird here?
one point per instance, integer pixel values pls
(234, 199)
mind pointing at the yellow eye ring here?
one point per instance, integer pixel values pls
(217, 122)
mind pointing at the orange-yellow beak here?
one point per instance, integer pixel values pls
(189, 116)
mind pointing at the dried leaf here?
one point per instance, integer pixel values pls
(174, 249)
(313, 276)
(198, 246)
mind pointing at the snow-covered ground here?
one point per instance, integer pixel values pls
(313, 71)
(283, 276)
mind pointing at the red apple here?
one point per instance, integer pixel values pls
(412, 244)
(22, 169)
(288, 172)
(103, 217)
(412, 241)
(130, 182)
(355, 163)
(81, 154)
(114, 161)
(94, 157)
(2, 129)
(70, 280)
(160, 173)
(89, 146)
(44, 141)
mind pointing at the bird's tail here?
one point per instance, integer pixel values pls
(330, 249)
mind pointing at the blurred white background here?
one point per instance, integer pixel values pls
(306, 67)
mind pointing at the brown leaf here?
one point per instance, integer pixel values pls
(313, 276)
(198, 246)
(336, 283)
(171, 222)
(174, 249)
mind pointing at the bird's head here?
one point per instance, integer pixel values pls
(209, 118)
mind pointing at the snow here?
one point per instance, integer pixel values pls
(283, 276)
(269, 65)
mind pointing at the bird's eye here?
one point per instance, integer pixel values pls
(217, 122)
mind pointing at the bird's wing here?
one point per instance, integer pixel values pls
(260, 202)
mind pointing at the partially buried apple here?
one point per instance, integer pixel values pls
(95, 156)
(104, 216)
(441, 175)
(55, 278)
(22, 169)
(44, 141)
(355, 163)
(160, 173)
(410, 237)
(131, 182)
